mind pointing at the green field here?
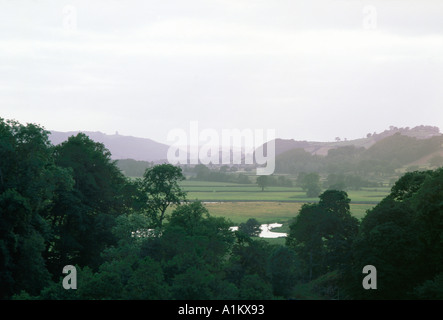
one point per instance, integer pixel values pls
(264, 212)
(267, 212)
(219, 192)
(239, 202)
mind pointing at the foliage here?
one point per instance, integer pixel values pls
(309, 182)
(82, 219)
(401, 237)
(203, 173)
(161, 186)
(251, 227)
(322, 233)
(263, 182)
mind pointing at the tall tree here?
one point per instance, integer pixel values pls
(311, 184)
(28, 178)
(161, 187)
(401, 237)
(251, 227)
(263, 182)
(322, 234)
(83, 219)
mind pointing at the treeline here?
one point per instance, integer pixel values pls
(70, 205)
(58, 205)
(226, 174)
(201, 172)
(133, 168)
(197, 256)
(383, 158)
(400, 237)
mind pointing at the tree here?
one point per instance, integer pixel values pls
(252, 287)
(427, 204)
(243, 179)
(431, 289)
(284, 269)
(336, 201)
(28, 178)
(311, 184)
(386, 240)
(161, 187)
(251, 227)
(193, 284)
(147, 282)
(336, 181)
(248, 258)
(401, 236)
(306, 238)
(202, 172)
(284, 182)
(409, 184)
(82, 219)
(201, 232)
(263, 182)
(323, 233)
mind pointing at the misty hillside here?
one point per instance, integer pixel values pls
(377, 152)
(322, 148)
(121, 147)
(386, 153)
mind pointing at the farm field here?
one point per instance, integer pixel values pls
(240, 202)
(268, 212)
(219, 191)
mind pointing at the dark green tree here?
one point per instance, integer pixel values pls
(248, 258)
(306, 238)
(161, 186)
(263, 182)
(311, 184)
(28, 179)
(284, 269)
(251, 227)
(82, 219)
(401, 237)
(252, 287)
(322, 234)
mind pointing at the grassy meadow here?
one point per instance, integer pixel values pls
(239, 202)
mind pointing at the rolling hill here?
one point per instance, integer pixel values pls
(391, 149)
(121, 147)
(384, 152)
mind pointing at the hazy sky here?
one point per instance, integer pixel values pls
(311, 70)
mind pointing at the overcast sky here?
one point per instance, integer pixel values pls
(311, 70)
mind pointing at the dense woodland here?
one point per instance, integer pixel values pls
(71, 205)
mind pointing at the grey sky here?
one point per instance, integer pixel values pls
(310, 70)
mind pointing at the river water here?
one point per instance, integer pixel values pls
(266, 231)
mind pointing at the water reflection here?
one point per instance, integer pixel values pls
(266, 231)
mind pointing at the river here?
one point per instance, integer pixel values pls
(266, 231)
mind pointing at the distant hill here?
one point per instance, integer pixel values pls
(322, 148)
(387, 150)
(121, 147)
(377, 152)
